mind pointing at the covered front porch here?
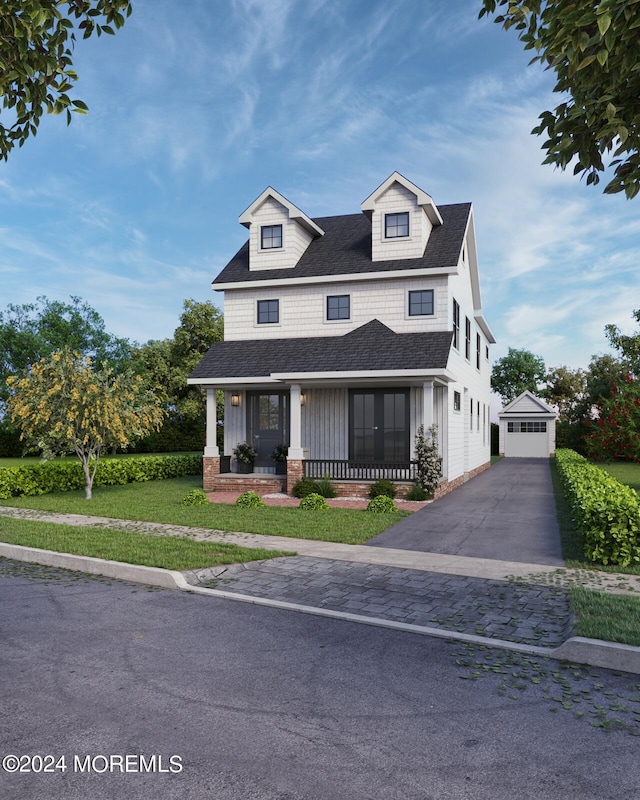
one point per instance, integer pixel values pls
(353, 432)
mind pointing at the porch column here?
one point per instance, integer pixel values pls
(211, 446)
(294, 458)
(427, 406)
(295, 419)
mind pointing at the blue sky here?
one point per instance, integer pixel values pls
(197, 106)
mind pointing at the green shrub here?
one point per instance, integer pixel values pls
(64, 476)
(304, 487)
(606, 513)
(196, 497)
(417, 493)
(250, 500)
(383, 488)
(382, 505)
(313, 502)
(326, 488)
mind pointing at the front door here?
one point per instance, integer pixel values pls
(379, 425)
(267, 423)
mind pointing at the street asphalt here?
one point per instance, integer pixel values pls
(506, 512)
(265, 704)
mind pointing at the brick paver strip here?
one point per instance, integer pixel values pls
(538, 615)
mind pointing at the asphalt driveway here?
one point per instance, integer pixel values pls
(507, 512)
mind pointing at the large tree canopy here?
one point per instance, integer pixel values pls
(33, 331)
(593, 47)
(64, 405)
(36, 45)
(516, 372)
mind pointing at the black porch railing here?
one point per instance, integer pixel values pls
(360, 470)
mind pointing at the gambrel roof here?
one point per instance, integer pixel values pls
(371, 347)
(345, 249)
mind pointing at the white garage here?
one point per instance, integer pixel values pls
(527, 428)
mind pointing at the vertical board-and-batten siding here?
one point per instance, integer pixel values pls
(235, 422)
(325, 423)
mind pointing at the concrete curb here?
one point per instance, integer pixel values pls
(577, 650)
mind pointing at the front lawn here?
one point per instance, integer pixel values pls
(168, 552)
(612, 617)
(624, 471)
(159, 501)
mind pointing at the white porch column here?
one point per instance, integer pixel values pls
(211, 447)
(295, 420)
(427, 406)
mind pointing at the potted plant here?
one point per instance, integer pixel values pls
(279, 456)
(245, 455)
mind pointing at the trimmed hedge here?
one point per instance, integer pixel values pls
(606, 513)
(65, 476)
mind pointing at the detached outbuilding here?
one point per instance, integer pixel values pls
(527, 428)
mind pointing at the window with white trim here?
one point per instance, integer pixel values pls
(531, 426)
(467, 338)
(268, 312)
(396, 226)
(456, 325)
(339, 307)
(421, 303)
(271, 237)
(478, 349)
(457, 401)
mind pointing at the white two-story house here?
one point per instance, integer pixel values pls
(344, 334)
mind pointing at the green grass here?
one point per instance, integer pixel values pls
(159, 501)
(168, 552)
(612, 617)
(623, 471)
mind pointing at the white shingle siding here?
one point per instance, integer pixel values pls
(395, 200)
(303, 309)
(295, 239)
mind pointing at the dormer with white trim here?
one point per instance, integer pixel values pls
(279, 232)
(402, 218)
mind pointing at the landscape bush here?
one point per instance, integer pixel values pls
(326, 488)
(382, 505)
(314, 502)
(384, 488)
(250, 500)
(606, 513)
(304, 487)
(196, 497)
(65, 476)
(417, 493)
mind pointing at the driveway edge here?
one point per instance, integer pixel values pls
(577, 650)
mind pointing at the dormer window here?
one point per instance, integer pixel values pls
(396, 226)
(270, 237)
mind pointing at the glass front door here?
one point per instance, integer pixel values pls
(268, 423)
(379, 425)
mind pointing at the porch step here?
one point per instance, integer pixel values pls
(256, 482)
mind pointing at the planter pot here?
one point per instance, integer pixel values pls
(281, 467)
(243, 468)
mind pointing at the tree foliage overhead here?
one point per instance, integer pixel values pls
(32, 331)
(37, 38)
(63, 405)
(593, 47)
(517, 372)
(566, 389)
(627, 345)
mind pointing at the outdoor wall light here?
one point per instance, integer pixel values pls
(235, 399)
(303, 398)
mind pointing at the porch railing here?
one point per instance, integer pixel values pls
(359, 470)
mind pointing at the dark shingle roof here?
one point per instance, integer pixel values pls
(370, 347)
(345, 249)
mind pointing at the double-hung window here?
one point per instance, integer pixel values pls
(421, 303)
(456, 325)
(270, 237)
(478, 349)
(339, 307)
(467, 338)
(268, 312)
(396, 225)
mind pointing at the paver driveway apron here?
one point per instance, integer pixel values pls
(508, 512)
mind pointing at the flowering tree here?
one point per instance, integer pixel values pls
(429, 466)
(63, 405)
(616, 431)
